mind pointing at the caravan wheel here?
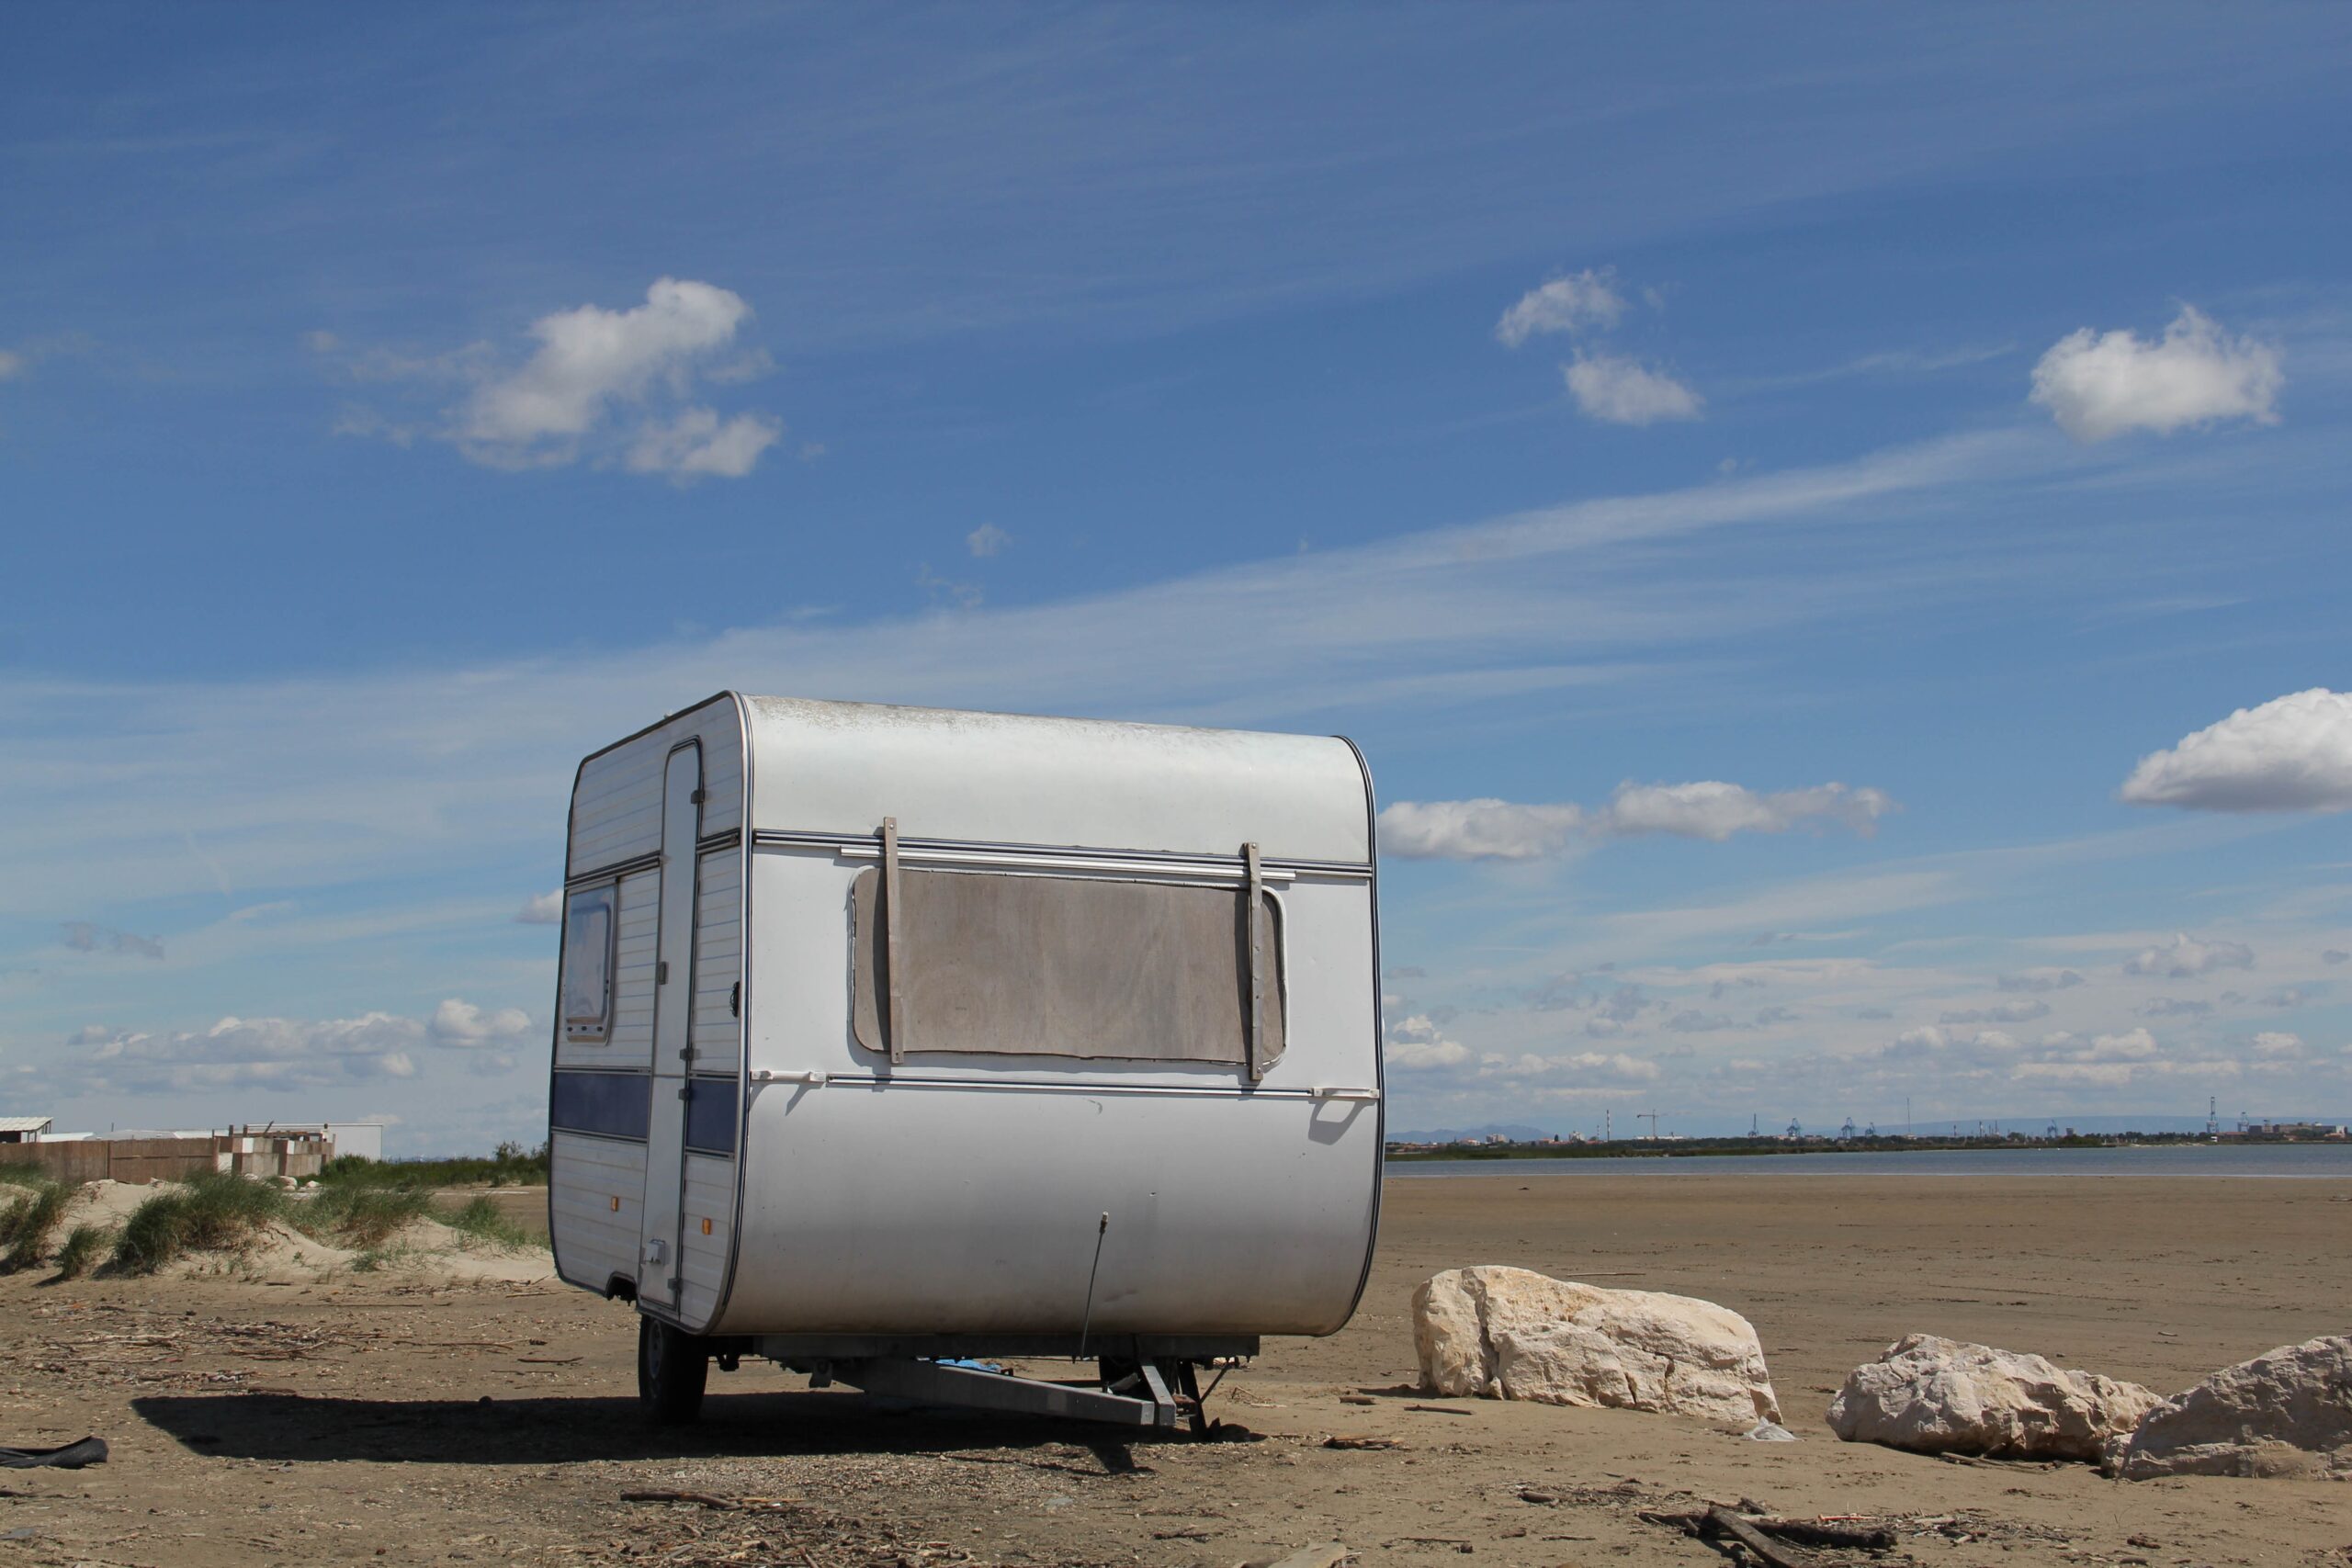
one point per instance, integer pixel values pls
(672, 1367)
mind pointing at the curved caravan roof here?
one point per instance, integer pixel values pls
(819, 767)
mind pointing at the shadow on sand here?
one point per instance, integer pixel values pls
(285, 1426)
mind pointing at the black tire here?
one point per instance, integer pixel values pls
(672, 1366)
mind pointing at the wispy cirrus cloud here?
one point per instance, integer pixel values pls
(264, 794)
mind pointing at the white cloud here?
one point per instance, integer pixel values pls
(1477, 830)
(246, 1053)
(457, 1022)
(1415, 1045)
(2134, 1044)
(1500, 829)
(1584, 1069)
(697, 445)
(2277, 1043)
(285, 1053)
(12, 364)
(2006, 1012)
(2098, 385)
(2185, 956)
(1588, 299)
(589, 356)
(83, 936)
(2040, 980)
(987, 539)
(2292, 753)
(1691, 1020)
(541, 909)
(615, 386)
(1716, 811)
(1618, 390)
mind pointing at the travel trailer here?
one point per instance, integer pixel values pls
(889, 1039)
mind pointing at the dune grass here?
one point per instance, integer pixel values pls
(483, 1220)
(84, 1244)
(28, 1222)
(361, 1216)
(212, 1211)
(15, 1175)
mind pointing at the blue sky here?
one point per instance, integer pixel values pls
(1627, 423)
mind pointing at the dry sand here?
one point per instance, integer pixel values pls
(370, 1420)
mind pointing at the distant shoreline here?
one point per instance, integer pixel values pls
(2330, 1159)
(1778, 1148)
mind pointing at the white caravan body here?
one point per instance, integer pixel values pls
(967, 1028)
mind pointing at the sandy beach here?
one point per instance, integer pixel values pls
(368, 1420)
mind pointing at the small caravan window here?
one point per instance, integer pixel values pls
(1012, 965)
(588, 965)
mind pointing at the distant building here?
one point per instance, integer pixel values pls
(2292, 1131)
(24, 1129)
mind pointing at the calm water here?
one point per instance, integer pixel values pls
(2273, 1161)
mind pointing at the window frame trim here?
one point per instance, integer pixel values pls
(599, 1031)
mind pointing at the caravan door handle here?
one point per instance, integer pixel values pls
(814, 1080)
(1324, 1091)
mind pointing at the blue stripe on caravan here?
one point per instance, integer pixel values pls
(710, 1116)
(611, 1105)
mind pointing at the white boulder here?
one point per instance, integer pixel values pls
(1936, 1395)
(2287, 1412)
(1514, 1334)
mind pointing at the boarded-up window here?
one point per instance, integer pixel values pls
(1065, 967)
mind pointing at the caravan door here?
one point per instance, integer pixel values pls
(659, 1270)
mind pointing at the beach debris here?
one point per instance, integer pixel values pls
(1505, 1333)
(1763, 1536)
(1323, 1554)
(2286, 1413)
(712, 1500)
(73, 1456)
(1935, 1396)
(1771, 1432)
(1350, 1441)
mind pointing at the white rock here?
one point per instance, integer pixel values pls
(1514, 1334)
(1937, 1395)
(2287, 1412)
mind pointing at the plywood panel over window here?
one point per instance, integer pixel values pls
(1010, 964)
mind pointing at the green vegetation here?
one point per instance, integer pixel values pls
(83, 1244)
(362, 1216)
(213, 1211)
(26, 1225)
(15, 1175)
(511, 1166)
(482, 1220)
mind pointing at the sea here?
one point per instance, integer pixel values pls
(2254, 1161)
